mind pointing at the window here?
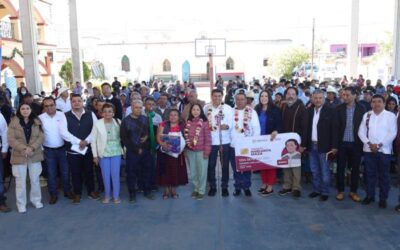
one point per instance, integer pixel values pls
(265, 62)
(230, 64)
(166, 66)
(125, 64)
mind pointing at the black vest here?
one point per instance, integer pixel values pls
(79, 128)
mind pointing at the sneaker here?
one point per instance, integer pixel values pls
(22, 210)
(354, 197)
(382, 204)
(4, 208)
(237, 192)
(266, 193)
(53, 200)
(296, 193)
(212, 192)
(323, 198)
(340, 196)
(76, 200)
(285, 192)
(367, 201)
(200, 197)
(194, 194)
(105, 200)
(247, 192)
(117, 201)
(225, 192)
(313, 195)
(38, 205)
(94, 196)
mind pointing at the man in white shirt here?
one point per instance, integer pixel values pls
(55, 132)
(4, 148)
(377, 131)
(220, 120)
(63, 103)
(245, 123)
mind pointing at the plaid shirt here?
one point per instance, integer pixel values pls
(348, 132)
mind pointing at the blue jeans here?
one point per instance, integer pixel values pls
(377, 166)
(212, 163)
(55, 158)
(2, 189)
(138, 169)
(242, 179)
(321, 173)
(110, 169)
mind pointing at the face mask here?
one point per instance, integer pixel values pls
(58, 87)
(23, 92)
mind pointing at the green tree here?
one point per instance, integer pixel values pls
(66, 71)
(290, 59)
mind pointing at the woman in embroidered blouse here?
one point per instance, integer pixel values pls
(25, 137)
(107, 151)
(270, 122)
(198, 143)
(171, 172)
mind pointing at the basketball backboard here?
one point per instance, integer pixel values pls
(206, 46)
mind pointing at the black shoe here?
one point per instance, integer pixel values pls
(132, 198)
(313, 195)
(382, 204)
(225, 192)
(212, 192)
(149, 196)
(261, 190)
(296, 193)
(397, 208)
(367, 200)
(247, 192)
(285, 191)
(237, 192)
(323, 198)
(265, 193)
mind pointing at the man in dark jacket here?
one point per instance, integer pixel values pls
(319, 143)
(348, 117)
(108, 97)
(294, 119)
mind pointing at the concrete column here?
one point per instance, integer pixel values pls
(29, 46)
(77, 71)
(396, 41)
(352, 53)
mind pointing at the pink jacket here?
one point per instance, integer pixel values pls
(204, 141)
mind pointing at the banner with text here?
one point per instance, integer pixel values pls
(260, 153)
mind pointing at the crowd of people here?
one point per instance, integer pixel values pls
(83, 137)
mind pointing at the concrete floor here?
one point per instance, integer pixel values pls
(214, 223)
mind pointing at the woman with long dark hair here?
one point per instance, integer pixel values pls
(198, 142)
(270, 118)
(171, 171)
(25, 137)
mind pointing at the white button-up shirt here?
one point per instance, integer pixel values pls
(382, 129)
(253, 130)
(227, 119)
(314, 133)
(56, 131)
(62, 105)
(3, 134)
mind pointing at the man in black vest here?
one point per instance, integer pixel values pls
(320, 137)
(348, 117)
(106, 90)
(80, 123)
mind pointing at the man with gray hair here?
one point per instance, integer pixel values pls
(320, 144)
(135, 136)
(192, 98)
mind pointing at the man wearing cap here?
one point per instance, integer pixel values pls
(366, 101)
(63, 103)
(332, 100)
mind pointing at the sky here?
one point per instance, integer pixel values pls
(128, 21)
